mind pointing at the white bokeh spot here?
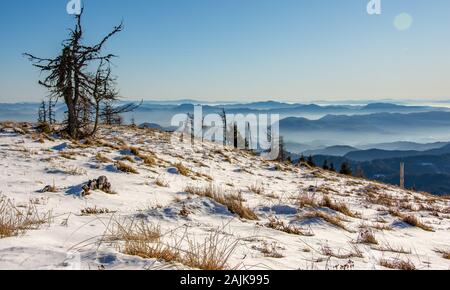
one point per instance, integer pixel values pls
(403, 21)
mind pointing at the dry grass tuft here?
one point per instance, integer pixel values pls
(386, 247)
(397, 264)
(109, 145)
(279, 225)
(334, 220)
(355, 252)
(307, 200)
(269, 250)
(148, 160)
(68, 155)
(15, 221)
(122, 166)
(95, 211)
(102, 158)
(233, 202)
(135, 151)
(366, 236)
(132, 230)
(256, 188)
(161, 182)
(381, 227)
(445, 253)
(411, 220)
(211, 254)
(146, 241)
(384, 200)
(128, 158)
(182, 169)
(339, 207)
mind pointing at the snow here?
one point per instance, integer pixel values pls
(72, 240)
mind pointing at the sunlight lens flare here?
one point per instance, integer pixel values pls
(403, 21)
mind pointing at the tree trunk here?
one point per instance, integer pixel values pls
(97, 116)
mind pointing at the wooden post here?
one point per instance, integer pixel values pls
(402, 175)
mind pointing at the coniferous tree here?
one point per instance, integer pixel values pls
(223, 115)
(42, 113)
(325, 165)
(310, 161)
(281, 150)
(235, 136)
(302, 159)
(359, 172)
(51, 112)
(332, 168)
(345, 169)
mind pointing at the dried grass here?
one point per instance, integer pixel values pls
(124, 167)
(411, 220)
(334, 220)
(233, 202)
(15, 221)
(398, 264)
(102, 158)
(95, 211)
(182, 169)
(128, 158)
(146, 241)
(269, 250)
(445, 253)
(161, 182)
(339, 207)
(366, 236)
(256, 188)
(279, 225)
(355, 252)
(307, 200)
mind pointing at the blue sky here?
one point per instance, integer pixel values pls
(242, 50)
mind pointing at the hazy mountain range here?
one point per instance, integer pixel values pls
(161, 112)
(374, 137)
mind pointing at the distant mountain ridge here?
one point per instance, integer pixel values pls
(374, 154)
(338, 150)
(150, 111)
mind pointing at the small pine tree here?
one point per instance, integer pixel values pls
(332, 167)
(281, 153)
(42, 113)
(311, 161)
(51, 112)
(302, 159)
(289, 159)
(345, 169)
(325, 165)
(235, 136)
(360, 172)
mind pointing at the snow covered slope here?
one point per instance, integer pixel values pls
(306, 218)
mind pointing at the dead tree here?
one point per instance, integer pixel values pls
(68, 77)
(42, 113)
(223, 115)
(281, 149)
(190, 123)
(110, 115)
(248, 137)
(51, 112)
(235, 136)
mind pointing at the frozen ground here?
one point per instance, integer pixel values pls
(290, 232)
